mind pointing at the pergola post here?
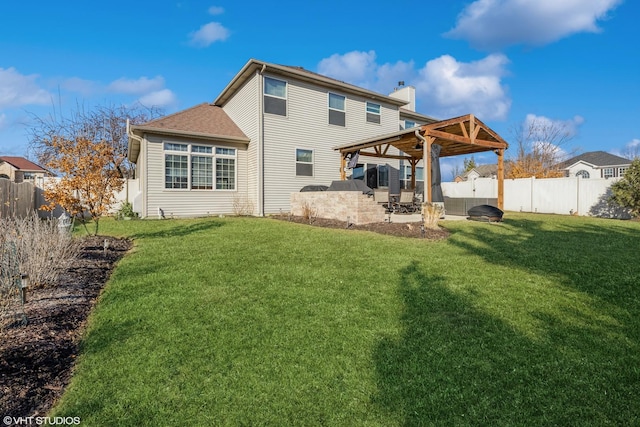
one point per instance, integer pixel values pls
(500, 154)
(413, 162)
(343, 165)
(426, 156)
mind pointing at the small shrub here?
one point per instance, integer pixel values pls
(43, 249)
(242, 206)
(126, 211)
(309, 213)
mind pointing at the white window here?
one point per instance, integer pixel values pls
(191, 166)
(383, 176)
(225, 168)
(336, 109)
(275, 96)
(583, 174)
(607, 173)
(406, 173)
(622, 170)
(373, 112)
(304, 162)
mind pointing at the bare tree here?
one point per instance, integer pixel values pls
(540, 148)
(632, 150)
(103, 123)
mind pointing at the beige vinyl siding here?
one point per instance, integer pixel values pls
(189, 203)
(306, 126)
(243, 109)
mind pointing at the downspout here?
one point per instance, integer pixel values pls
(261, 142)
(142, 182)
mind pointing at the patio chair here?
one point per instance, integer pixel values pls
(381, 196)
(406, 202)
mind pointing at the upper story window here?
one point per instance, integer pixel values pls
(607, 173)
(304, 162)
(275, 96)
(373, 112)
(192, 166)
(408, 124)
(336, 109)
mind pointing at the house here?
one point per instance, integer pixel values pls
(480, 171)
(19, 169)
(596, 164)
(275, 129)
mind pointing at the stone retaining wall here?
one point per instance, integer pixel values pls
(360, 208)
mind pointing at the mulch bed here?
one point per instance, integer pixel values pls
(36, 359)
(401, 229)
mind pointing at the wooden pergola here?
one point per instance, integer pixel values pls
(457, 136)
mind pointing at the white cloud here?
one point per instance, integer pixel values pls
(137, 86)
(208, 34)
(542, 128)
(444, 86)
(355, 67)
(82, 86)
(634, 143)
(17, 89)
(215, 10)
(160, 98)
(455, 88)
(495, 24)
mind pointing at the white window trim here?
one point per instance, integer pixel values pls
(312, 162)
(604, 172)
(344, 110)
(366, 111)
(189, 153)
(285, 97)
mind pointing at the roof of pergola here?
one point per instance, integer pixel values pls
(456, 136)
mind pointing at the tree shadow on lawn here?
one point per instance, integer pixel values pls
(599, 261)
(171, 229)
(455, 364)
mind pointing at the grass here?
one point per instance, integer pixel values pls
(246, 321)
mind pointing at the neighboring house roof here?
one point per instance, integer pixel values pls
(22, 164)
(299, 73)
(597, 159)
(483, 171)
(204, 120)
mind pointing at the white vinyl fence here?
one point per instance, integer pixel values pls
(566, 196)
(129, 190)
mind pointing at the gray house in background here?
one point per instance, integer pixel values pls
(596, 164)
(480, 171)
(269, 133)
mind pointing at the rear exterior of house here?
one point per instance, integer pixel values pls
(596, 164)
(269, 133)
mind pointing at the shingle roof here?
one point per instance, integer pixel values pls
(205, 119)
(484, 171)
(596, 158)
(22, 164)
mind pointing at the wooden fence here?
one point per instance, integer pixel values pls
(16, 200)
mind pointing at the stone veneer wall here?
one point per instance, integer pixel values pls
(360, 208)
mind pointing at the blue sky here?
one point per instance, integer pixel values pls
(506, 61)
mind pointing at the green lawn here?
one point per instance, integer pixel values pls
(248, 321)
